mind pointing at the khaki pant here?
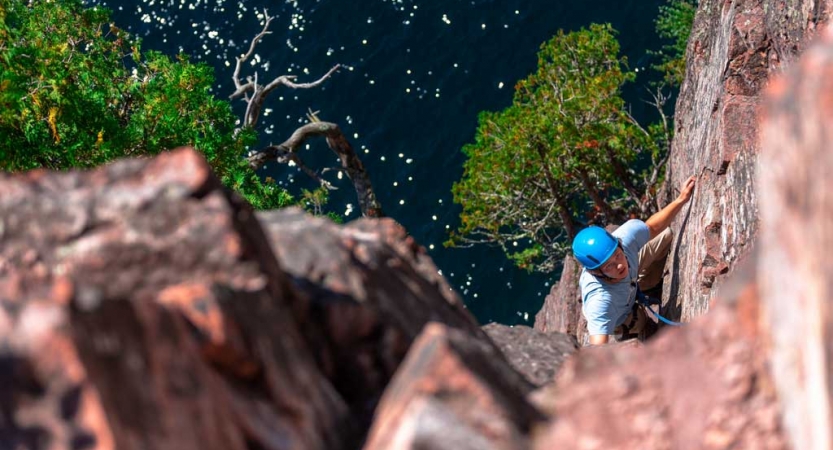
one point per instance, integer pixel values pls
(651, 265)
(652, 260)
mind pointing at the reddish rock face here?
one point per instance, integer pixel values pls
(734, 49)
(796, 243)
(453, 392)
(142, 308)
(367, 290)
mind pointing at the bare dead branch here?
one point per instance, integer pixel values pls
(253, 92)
(240, 60)
(288, 81)
(311, 173)
(259, 93)
(255, 95)
(350, 162)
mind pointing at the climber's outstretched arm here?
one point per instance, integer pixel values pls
(660, 221)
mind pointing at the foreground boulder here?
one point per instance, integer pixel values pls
(796, 240)
(143, 306)
(453, 392)
(367, 291)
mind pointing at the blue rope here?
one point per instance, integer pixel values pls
(643, 300)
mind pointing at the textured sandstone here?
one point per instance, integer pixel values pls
(146, 303)
(453, 392)
(796, 242)
(368, 290)
(536, 355)
(734, 50)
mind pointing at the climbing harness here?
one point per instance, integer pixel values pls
(646, 302)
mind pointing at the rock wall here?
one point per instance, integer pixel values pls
(562, 306)
(796, 241)
(734, 49)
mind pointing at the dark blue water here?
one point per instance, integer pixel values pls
(418, 72)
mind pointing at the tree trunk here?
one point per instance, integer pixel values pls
(564, 210)
(621, 171)
(594, 195)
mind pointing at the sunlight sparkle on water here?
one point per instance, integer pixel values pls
(218, 31)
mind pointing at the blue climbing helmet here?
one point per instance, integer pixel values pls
(593, 246)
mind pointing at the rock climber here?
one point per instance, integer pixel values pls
(616, 263)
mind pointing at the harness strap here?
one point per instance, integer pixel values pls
(646, 302)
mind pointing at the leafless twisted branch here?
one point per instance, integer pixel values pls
(253, 92)
(350, 162)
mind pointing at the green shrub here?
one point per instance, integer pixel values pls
(674, 24)
(76, 91)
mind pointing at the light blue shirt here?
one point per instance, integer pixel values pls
(605, 304)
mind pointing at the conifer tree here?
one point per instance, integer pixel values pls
(565, 153)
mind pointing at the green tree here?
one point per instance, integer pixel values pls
(562, 155)
(76, 91)
(674, 23)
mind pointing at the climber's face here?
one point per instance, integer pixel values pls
(616, 267)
